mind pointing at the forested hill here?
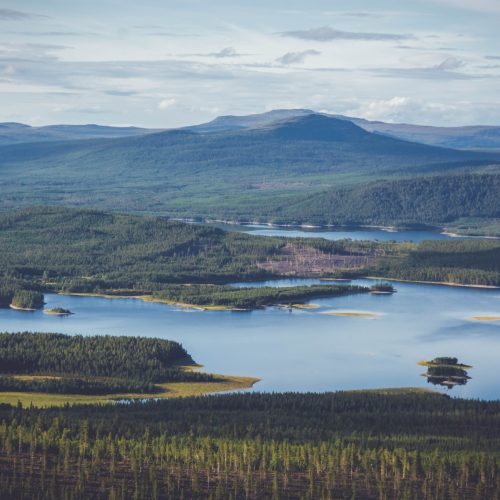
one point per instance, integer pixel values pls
(90, 247)
(424, 200)
(54, 249)
(241, 173)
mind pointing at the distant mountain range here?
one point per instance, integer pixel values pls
(470, 137)
(479, 137)
(260, 167)
(16, 133)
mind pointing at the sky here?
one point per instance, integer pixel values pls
(163, 63)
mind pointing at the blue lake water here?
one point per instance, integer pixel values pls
(304, 350)
(340, 233)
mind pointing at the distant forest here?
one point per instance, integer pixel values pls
(86, 251)
(429, 200)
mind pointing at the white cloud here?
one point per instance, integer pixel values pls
(166, 103)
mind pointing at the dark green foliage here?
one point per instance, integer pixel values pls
(131, 358)
(74, 385)
(87, 251)
(59, 310)
(422, 200)
(444, 361)
(27, 299)
(220, 295)
(473, 262)
(382, 287)
(336, 445)
(90, 251)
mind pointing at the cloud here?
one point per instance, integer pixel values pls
(328, 34)
(474, 5)
(221, 54)
(494, 58)
(120, 93)
(9, 69)
(166, 103)
(226, 52)
(450, 63)
(445, 70)
(50, 33)
(297, 57)
(16, 15)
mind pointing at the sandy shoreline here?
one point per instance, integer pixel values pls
(354, 314)
(485, 318)
(443, 283)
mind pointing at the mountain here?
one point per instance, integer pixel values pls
(16, 133)
(471, 137)
(232, 122)
(243, 173)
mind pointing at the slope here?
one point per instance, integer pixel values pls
(242, 173)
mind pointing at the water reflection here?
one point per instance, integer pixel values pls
(446, 372)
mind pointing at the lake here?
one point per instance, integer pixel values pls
(339, 233)
(305, 350)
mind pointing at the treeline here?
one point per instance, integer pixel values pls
(247, 298)
(27, 299)
(19, 291)
(87, 251)
(84, 251)
(472, 262)
(334, 445)
(91, 365)
(77, 385)
(61, 249)
(421, 200)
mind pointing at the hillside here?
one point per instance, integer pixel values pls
(424, 200)
(241, 174)
(87, 251)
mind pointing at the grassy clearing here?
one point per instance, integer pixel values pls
(171, 390)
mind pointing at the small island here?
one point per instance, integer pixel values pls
(446, 371)
(58, 311)
(382, 289)
(220, 297)
(27, 300)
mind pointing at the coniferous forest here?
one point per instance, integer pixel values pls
(249, 250)
(333, 445)
(86, 251)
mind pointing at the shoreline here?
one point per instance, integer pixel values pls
(53, 313)
(442, 283)
(325, 227)
(224, 383)
(27, 309)
(148, 298)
